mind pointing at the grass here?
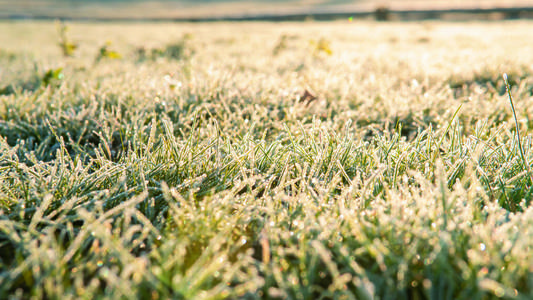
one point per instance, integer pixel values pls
(177, 161)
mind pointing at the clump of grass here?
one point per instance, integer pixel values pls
(105, 52)
(68, 47)
(52, 77)
(179, 50)
(280, 45)
(322, 46)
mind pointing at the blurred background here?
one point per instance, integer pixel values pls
(235, 9)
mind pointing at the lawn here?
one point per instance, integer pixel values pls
(343, 160)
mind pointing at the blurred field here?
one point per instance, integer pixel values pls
(354, 160)
(219, 8)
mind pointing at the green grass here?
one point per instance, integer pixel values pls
(177, 161)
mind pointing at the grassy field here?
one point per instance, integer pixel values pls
(274, 161)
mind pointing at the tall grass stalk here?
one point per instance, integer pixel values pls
(517, 128)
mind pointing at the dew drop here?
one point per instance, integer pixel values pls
(427, 283)
(499, 292)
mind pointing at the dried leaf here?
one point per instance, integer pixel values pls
(307, 97)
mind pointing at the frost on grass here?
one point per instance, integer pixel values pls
(194, 169)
